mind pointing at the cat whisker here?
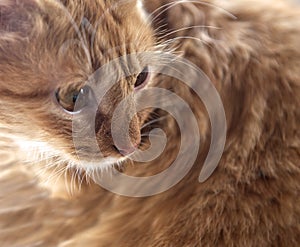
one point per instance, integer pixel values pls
(185, 37)
(187, 28)
(153, 121)
(161, 29)
(148, 134)
(162, 9)
(58, 174)
(66, 180)
(163, 47)
(54, 175)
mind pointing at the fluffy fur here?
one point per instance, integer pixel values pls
(250, 52)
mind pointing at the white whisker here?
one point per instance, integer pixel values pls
(187, 28)
(153, 121)
(170, 5)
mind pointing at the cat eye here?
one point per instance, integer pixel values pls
(142, 78)
(69, 99)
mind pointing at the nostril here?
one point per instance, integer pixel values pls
(115, 148)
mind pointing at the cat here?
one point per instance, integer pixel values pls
(248, 50)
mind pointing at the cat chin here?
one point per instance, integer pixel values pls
(103, 165)
(61, 174)
(42, 152)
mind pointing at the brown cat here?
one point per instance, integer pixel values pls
(52, 55)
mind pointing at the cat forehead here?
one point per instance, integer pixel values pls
(62, 39)
(13, 12)
(66, 18)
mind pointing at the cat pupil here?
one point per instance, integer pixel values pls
(141, 78)
(75, 97)
(68, 101)
(82, 96)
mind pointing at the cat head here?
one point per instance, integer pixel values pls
(51, 53)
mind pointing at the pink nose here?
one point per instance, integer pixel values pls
(127, 151)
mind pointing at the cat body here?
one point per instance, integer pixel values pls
(249, 51)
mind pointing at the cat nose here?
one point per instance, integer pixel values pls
(125, 151)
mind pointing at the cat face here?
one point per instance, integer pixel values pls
(50, 56)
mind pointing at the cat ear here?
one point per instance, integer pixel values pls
(16, 16)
